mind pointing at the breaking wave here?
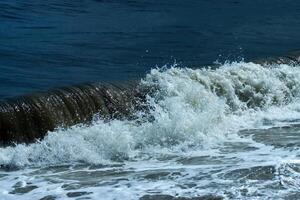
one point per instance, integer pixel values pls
(185, 109)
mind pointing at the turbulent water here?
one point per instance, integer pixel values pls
(231, 132)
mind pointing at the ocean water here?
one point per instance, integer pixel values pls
(59, 42)
(227, 132)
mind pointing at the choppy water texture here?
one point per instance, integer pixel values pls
(225, 133)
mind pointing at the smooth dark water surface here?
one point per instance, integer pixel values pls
(45, 44)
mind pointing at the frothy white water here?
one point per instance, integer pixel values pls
(190, 109)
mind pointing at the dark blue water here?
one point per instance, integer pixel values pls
(51, 43)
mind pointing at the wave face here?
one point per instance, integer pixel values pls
(28, 118)
(231, 132)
